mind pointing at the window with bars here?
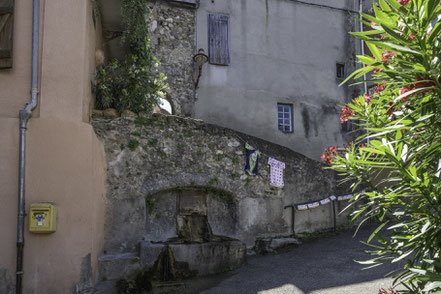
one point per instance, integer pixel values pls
(285, 117)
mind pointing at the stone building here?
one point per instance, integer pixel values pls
(278, 68)
(285, 62)
(102, 176)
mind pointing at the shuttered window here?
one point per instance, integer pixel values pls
(218, 48)
(6, 24)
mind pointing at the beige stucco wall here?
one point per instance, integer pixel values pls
(14, 94)
(65, 161)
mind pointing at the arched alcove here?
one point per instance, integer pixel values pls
(190, 214)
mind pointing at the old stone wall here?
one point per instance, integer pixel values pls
(153, 160)
(172, 35)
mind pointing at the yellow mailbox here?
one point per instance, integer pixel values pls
(42, 218)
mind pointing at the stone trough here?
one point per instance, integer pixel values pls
(201, 258)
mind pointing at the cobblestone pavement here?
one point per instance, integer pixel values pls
(323, 266)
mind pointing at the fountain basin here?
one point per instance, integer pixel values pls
(204, 258)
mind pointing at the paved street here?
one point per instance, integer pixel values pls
(322, 266)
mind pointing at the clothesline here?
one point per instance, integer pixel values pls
(324, 201)
(244, 141)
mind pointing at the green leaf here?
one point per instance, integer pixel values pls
(395, 35)
(392, 46)
(384, 6)
(376, 231)
(363, 69)
(432, 286)
(367, 33)
(374, 50)
(366, 59)
(394, 4)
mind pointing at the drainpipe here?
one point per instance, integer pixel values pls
(362, 52)
(362, 43)
(25, 114)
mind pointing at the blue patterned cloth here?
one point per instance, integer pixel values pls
(252, 162)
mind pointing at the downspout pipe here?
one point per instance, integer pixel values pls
(362, 42)
(24, 115)
(362, 52)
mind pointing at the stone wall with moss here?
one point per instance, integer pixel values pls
(172, 37)
(151, 159)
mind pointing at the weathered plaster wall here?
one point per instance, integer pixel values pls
(64, 160)
(160, 155)
(172, 37)
(280, 51)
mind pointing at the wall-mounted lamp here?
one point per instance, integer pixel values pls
(201, 58)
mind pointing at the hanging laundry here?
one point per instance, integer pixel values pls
(276, 172)
(325, 201)
(332, 197)
(252, 162)
(345, 197)
(302, 207)
(313, 205)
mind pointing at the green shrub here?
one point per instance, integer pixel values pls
(400, 164)
(134, 82)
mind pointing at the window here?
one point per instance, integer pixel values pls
(218, 48)
(6, 23)
(340, 70)
(284, 117)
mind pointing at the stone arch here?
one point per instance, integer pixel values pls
(163, 183)
(190, 213)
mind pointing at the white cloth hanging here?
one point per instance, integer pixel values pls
(276, 172)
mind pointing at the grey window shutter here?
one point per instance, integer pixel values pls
(6, 25)
(218, 48)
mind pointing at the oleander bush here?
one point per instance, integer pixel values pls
(397, 160)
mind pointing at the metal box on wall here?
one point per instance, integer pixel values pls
(42, 218)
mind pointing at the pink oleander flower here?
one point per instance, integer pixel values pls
(405, 90)
(377, 69)
(326, 157)
(380, 87)
(387, 55)
(367, 98)
(346, 112)
(403, 2)
(427, 83)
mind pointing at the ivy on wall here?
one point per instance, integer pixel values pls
(134, 82)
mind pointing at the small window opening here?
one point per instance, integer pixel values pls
(340, 70)
(285, 117)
